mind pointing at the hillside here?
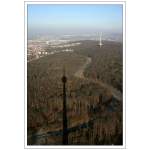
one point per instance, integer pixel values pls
(91, 73)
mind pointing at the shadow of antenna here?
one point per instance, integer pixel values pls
(65, 128)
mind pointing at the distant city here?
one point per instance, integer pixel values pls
(37, 44)
(38, 48)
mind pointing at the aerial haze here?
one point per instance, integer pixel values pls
(58, 20)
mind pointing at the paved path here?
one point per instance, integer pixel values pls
(80, 74)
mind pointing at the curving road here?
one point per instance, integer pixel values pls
(80, 74)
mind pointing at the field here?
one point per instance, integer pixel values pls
(94, 95)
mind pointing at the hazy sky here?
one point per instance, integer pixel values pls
(79, 18)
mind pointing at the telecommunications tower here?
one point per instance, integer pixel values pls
(100, 41)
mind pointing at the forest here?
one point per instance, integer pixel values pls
(95, 115)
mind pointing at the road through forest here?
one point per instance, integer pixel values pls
(80, 74)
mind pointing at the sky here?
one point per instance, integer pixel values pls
(75, 18)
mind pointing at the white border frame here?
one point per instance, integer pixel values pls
(124, 76)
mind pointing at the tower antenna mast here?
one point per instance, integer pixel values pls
(100, 41)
